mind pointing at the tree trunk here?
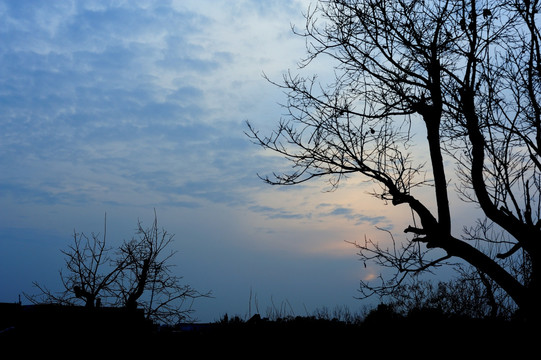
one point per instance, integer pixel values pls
(131, 303)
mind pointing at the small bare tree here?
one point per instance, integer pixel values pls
(146, 279)
(89, 272)
(137, 275)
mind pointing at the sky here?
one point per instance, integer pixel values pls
(122, 108)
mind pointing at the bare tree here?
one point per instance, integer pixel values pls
(137, 275)
(464, 72)
(89, 272)
(146, 279)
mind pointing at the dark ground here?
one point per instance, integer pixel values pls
(109, 333)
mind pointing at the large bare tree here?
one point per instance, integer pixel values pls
(466, 75)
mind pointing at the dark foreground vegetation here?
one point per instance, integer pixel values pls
(46, 329)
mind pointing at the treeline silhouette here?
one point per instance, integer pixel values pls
(69, 325)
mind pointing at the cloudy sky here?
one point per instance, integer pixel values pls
(126, 107)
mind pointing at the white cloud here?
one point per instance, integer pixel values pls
(108, 101)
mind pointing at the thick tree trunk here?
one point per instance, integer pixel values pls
(131, 303)
(527, 236)
(487, 265)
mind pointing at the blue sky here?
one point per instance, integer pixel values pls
(123, 107)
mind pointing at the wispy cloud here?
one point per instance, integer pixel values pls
(352, 214)
(277, 213)
(135, 95)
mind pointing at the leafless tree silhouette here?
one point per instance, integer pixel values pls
(464, 72)
(146, 269)
(88, 275)
(136, 275)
